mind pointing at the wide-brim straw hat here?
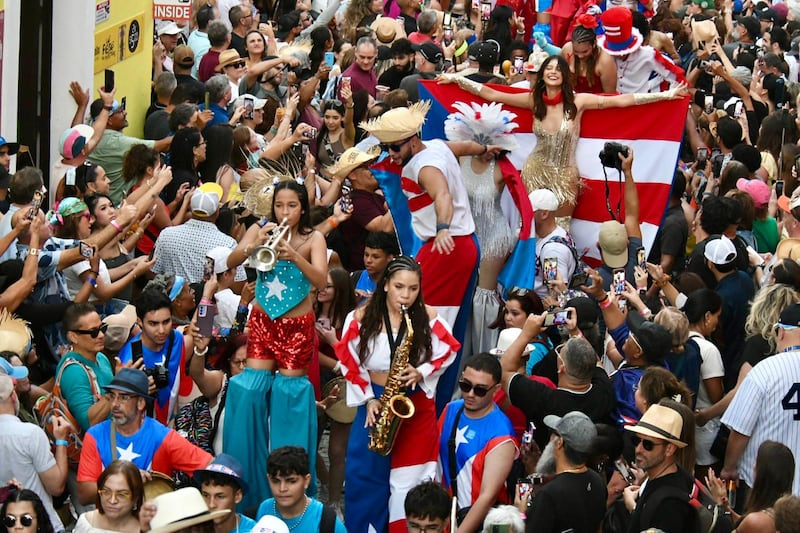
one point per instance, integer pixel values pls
(181, 509)
(398, 123)
(351, 159)
(258, 198)
(660, 422)
(15, 336)
(506, 338)
(788, 249)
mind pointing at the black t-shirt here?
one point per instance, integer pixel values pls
(671, 239)
(537, 400)
(756, 349)
(196, 89)
(666, 514)
(393, 76)
(570, 502)
(697, 260)
(156, 127)
(238, 44)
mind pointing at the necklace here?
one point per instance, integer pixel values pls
(575, 470)
(557, 99)
(299, 518)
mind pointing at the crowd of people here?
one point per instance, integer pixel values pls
(286, 308)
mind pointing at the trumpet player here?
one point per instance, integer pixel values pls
(271, 403)
(395, 326)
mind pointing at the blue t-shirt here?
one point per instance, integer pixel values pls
(76, 388)
(246, 524)
(167, 396)
(306, 522)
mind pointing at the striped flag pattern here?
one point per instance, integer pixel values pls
(653, 130)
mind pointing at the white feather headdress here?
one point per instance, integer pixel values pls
(484, 123)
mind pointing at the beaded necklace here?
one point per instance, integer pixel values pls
(299, 518)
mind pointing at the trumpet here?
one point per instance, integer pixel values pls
(264, 257)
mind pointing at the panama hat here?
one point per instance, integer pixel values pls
(181, 509)
(662, 423)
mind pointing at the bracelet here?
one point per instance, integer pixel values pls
(33, 252)
(96, 273)
(61, 442)
(108, 107)
(646, 313)
(603, 299)
(242, 309)
(606, 303)
(200, 354)
(332, 222)
(206, 301)
(92, 282)
(443, 225)
(116, 225)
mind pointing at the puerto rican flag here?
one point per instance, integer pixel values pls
(653, 130)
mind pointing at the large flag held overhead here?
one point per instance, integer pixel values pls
(653, 130)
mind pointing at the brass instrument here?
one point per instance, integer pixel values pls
(263, 258)
(395, 406)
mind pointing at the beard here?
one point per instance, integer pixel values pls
(547, 462)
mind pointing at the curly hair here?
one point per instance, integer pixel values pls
(539, 107)
(372, 321)
(766, 309)
(356, 11)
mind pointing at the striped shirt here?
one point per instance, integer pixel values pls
(767, 407)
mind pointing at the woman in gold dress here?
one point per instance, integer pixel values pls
(557, 113)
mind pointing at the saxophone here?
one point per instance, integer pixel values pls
(395, 406)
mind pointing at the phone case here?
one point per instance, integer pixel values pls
(550, 265)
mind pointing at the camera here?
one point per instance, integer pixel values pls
(609, 157)
(160, 375)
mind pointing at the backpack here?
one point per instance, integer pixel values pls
(54, 404)
(195, 423)
(686, 367)
(710, 517)
(578, 276)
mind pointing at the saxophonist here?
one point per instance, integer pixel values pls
(373, 336)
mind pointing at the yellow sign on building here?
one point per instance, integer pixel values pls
(118, 43)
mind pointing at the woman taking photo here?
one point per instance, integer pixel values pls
(334, 302)
(188, 150)
(338, 132)
(24, 512)
(280, 346)
(557, 113)
(373, 335)
(120, 496)
(593, 71)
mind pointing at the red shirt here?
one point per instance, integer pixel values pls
(207, 65)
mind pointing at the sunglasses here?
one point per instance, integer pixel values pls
(238, 64)
(480, 390)
(10, 520)
(121, 495)
(648, 445)
(394, 147)
(92, 332)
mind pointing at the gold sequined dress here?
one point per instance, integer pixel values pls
(551, 164)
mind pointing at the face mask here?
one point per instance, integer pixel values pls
(252, 160)
(736, 35)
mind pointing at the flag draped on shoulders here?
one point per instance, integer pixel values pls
(653, 130)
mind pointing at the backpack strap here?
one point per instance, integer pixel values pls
(327, 523)
(215, 426)
(451, 452)
(89, 374)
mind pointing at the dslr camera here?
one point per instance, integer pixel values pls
(609, 157)
(160, 375)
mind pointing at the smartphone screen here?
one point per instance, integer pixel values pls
(35, 204)
(550, 265)
(641, 260)
(486, 10)
(249, 108)
(737, 110)
(779, 188)
(329, 59)
(561, 318)
(108, 83)
(702, 156)
(208, 269)
(709, 105)
(622, 467)
(447, 20)
(619, 280)
(519, 65)
(86, 250)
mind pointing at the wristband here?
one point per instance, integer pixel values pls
(332, 222)
(440, 227)
(62, 442)
(206, 301)
(603, 299)
(242, 309)
(646, 313)
(606, 303)
(108, 107)
(96, 273)
(485, 149)
(92, 282)
(33, 252)
(116, 225)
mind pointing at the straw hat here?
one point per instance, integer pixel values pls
(387, 30)
(506, 338)
(258, 198)
(181, 509)
(399, 123)
(351, 159)
(14, 334)
(662, 423)
(788, 249)
(226, 58)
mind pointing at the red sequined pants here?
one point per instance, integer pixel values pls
(288, 341)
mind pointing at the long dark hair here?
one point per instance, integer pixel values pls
(699, 303)
(43, 524)
(264, 53)
(539, 107)
(319, 37)
(373, 314)
(304, 225)
(344, 297)
(219, 143)
(182, 149)
(84, 175)
(132, 477)
(528, 300)
(774, 476)
(330, 105)
(582, 35)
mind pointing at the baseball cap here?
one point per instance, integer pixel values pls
(543, 199)
(119, 328)
(258, 103)
(270, 524)
(429, 51)
(15, 372)
(790, 317)
(6, 388)
(131, 380)
(577, 430)
(720, 250)
(654, 339)
(220, 256)
(72, 141)
(183, 55)
(205, 200)
(613, 241)
(13, 148)
(587, 310)
(751, 24)
(168, 28)
(757, 189)
(788, 204)
(226, 465)
(766, 13)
